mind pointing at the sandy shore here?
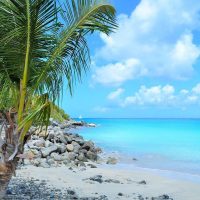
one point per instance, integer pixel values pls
(116, 183)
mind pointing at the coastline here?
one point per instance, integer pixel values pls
(130, 183)
(96, 179)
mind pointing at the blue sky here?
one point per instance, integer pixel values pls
(149, 68)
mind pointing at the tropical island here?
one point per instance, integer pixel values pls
(124, 152)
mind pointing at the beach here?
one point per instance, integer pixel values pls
(113, 182)
(61, 164)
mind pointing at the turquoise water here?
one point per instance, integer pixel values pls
(170, 144)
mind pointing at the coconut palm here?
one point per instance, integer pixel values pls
(43, 45)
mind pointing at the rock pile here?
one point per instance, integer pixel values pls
(56, 147)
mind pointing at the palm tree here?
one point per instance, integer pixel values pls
(43, 45)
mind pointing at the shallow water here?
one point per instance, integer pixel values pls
(169, 144)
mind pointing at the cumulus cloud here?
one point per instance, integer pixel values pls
(118, 73)
(115, 94)
(157, 37)
(163, 96)
(155, 95)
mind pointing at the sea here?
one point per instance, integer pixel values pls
(165, 144)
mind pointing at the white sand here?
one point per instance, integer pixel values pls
(157, 184)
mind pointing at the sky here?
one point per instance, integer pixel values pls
(148, 68)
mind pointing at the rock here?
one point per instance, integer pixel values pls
(51, 135)
(61, 138)
(68, 138)
(47, 151)
(35, 162)
(88, 145)
(39, 143)
(37, 154)
(51, 161)
(57, 157)
(111, 161)
(54, 123)
(120, 194)
(48, 143)
(76, 146)
(42, 133)
(163, 197)
(44, 164)
(112, 181)
(143, 182)
(72, 156)
(97, 178)
(91, 165)
(70, 147)
(81, 164)
(82, 157)
(61, 148)
(92, 156)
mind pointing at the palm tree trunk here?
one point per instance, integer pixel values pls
(6, 172)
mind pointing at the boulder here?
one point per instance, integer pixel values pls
(70, 147)
(82, 157)
(76, 147)
(111, 161)
(47, 151)
(44, 164)
(91, 155)
(37, 154)
(35, 162)
(88, 145)
(40, 142)
(57, 157)
(61, 148)
(48, 143)
(72, 156)
(51, 161)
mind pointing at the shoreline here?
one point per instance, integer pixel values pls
(93, 176)
(129, 183)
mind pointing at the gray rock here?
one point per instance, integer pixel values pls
(48, 143)
(39, 143)
(57, 157)
(47, 151)
(82, 157)
(70, 147)
(51, 161)
(143, 182)
(76, 146)
(37, 154)
(44, 164)
(88, 145)
(91, 165)
(72, 156)
(92, 156)
(112, 181)
(35, 162)
(97, 178)
(111, 161)
(61, 148)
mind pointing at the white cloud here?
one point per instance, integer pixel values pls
(100, 109)
(158, 35)
(163, 96)
(115, 94)
(155, 95)
(118, 73)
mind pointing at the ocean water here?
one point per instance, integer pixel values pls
(167, 144)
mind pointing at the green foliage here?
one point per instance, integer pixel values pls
(44, 43)
(58, 114)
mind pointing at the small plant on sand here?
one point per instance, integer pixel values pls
(43, 45)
